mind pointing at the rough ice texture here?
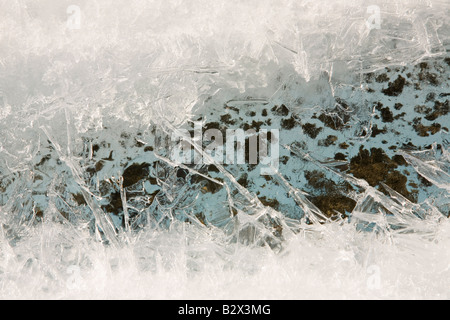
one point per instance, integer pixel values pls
(91, 206)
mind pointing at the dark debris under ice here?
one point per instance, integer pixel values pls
(336, 164)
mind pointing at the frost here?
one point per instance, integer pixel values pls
(429, 165)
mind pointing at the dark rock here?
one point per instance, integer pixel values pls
(376, 167)
(135, 173)
(288, 124)
(281, 111)
(311, 130)
(395, 88)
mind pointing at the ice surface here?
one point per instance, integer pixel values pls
(127, 74)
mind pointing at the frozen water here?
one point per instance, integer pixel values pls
(83, 87)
